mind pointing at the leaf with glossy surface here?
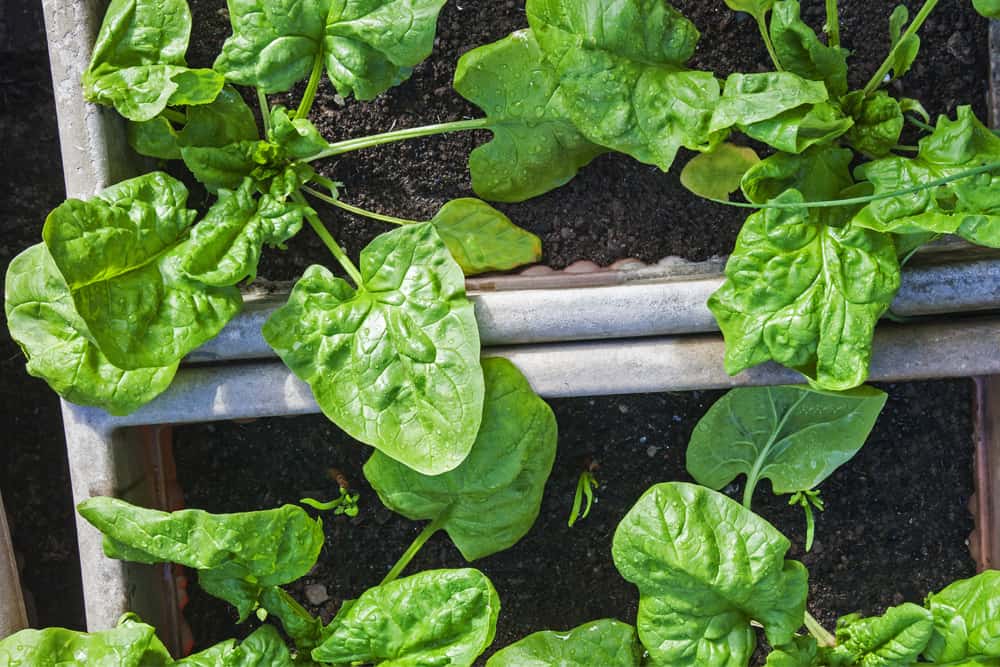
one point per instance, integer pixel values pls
(801, 652)
(620, 66)
(44, 322)
(603, 643)
(435, 617)
(756, 8)
(794, 436)
(298, 138)
(987, 8)
(535, 147)
(131, 643)
(718, 173)
(481, 238)
(878, 122)
(795, 130)
(805, 295)
(491, 500)
(966, 619)
(905, 51)
(893, 639)
(394, 363)
(262, 648)
(706, 567)
(751, 98)
(800, 51)
(226, 245)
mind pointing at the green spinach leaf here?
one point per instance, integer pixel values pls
(603, 643)
(988, 8)
(705, 567)
(395, 362)
(719, 172)
(491, 500)
(905, 52)
(621, 68)
(120, 254)
(795, 130)
(752, 98)
(800, 51)
(756, 8)
(794, 436)
(893, 639)
(55, 339)
(262, 648)
(966, 619)
(805, 295)
(138, 61)
(878, 122)
(437, 617)
(481, 238)
(535, 146)
(366, 46)
(131, 643)
(800, 652)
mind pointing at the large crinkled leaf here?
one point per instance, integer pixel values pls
(437, 617)
(43, 320)
(131, 643)
(620, 67)
(800, 51)
(226, 245)
(491, 500)
(794, 436)
(805, 294)
(138, 61)
(800, 652)
(795, 130)
(966, 619)
(120, 254)
(395, 362)
(752, 98)
(706, 567)
(225, 167)
(481, 238)
(367, 46)
(894, 639)
(235, 554)
(262, 648)
(969, 207)
(878, 122)
(603, 643)
(535, 146)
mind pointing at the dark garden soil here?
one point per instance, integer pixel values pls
(895, 527)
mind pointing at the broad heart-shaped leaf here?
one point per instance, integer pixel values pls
(797, 129)
(705, 567)
(226, 245)
(42, 319)
(794, 436)
(906, 51)
(620, 67)
(394, 363)
(436, 617)
(800, 51)
(535, 146)
(491, 500)
(262, 648)
(120, 254)
(966, 619)
(603, 643)
(805, 294)
(878, 122)
(138, 60)
(894, 639)
(131, 643)
(752, 98)
(718, 173)
(235, 554)
(969, 207)
(481, 238)
(368, 46)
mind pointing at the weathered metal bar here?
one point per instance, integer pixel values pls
(13, 616)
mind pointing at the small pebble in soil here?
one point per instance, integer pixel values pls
(316, 594)
(652, 450)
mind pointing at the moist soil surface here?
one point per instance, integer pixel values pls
(895, 527)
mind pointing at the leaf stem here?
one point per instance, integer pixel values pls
(411, 551)
(305, 106)
(358, 211)
(822, 635)
(328, 240)
(911, 30)
(832, 23)
(916, 122)
(174, 116)
(762, 26)
(265, 110)
(754, 475)
(992, 166)
(399, 135)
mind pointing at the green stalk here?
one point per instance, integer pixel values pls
(992, 166)
(832, 23)
(265, 110)
(762, 26)
(331, 243)
(916, 122)
(411, 551)
(305, 106)
(911, 30)
(754, 475)
(399, 135)
(358, 211)
(822, 635)
(174, 116)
